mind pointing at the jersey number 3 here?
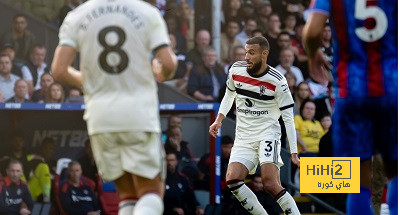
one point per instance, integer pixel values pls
(111, 39)
(364, 12)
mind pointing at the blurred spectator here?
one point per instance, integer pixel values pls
(45, 81)
(205, 80)
(74, 96)
(16, 151)
(228, 41)
(87, 162)
(326, 122)
(291, 80)
(182, 73)
(15, 198)
(2, 99)
(69, 6)
(298, 48)
(18, 68)
(263, 197)
(187, 19)
(179, 198)
(20, 92)
(7, 80)
(21, 39)
(175, 144)
(302, 93)
(40, 176)
(203, 39)
(231, 10)
(174, 27)
(46, 10)
(76, 197)
(264, 10)
(55, 93)
(239, 54)
(273, 30)
(327, 44)
(309, 130)
(173, 120)
(290, 23)
(36, 64)
(318, 90)
(286, 59)
(256, 33)
(248, 10)
(14, 3)
(205, 163)
(249, 26)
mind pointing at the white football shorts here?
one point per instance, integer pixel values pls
(251, 154)
(138, 153)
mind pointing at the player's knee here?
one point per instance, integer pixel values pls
(269, 186)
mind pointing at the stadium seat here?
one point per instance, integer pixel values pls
(203, 197)
(108, 197)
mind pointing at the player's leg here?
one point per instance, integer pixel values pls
(243, 160)
(386, 138)
(143, 157)
(352, 137)
(272, 185)
(107, 156)
(150, 192)
(271, 161)
(128, 197)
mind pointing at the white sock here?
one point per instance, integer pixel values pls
(288, 204)
(126, 207)
(149, 204)
(247, 198)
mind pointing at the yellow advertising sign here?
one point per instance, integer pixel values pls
(329, 175)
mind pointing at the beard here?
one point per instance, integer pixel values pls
(254, 70)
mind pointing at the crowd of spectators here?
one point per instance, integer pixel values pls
(25, 77)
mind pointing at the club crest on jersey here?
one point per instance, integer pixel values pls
(262, 90)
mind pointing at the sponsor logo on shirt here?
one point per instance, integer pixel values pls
(252, 112)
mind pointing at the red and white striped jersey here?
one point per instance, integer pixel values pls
(259, 101)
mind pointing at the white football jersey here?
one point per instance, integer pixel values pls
(259, 101)
(115, 39)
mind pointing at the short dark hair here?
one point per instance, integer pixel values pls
(14, 161)
(226, 140)
(19, 15)
(284, 33)
(259, 40)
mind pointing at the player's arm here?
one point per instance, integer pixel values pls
(226, 104)
(312, 42)
(168, 62)
(61, 67)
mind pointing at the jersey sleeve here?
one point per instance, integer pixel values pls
(283, 96)
(322, 6)
(229, 82)
(157, 31)
(68, 33)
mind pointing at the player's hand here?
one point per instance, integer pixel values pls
(318, 68)
(157, 70)
(199, 211)
(179, 211)
(295, 160)
(214, 128)
(24, 211)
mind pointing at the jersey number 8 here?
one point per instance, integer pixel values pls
(111, 49)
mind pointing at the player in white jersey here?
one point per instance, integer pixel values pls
(262, 96)
(116, 39)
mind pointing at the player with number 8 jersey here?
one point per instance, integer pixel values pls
(116, 39)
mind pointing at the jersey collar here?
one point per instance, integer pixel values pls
(261, 74)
